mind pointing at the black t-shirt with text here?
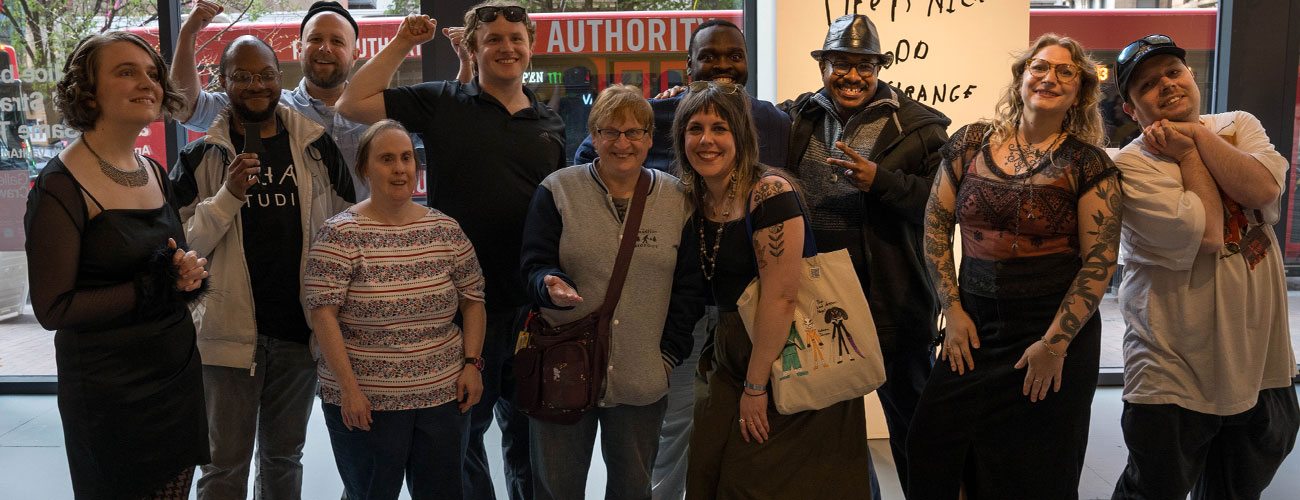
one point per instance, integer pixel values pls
(273, 242)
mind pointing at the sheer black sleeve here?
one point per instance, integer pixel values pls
(960, 149)
(54, 224)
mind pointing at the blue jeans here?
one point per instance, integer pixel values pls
(499, 398)
(629, 440)
(669, 476)
(424, 446)
(270, 406)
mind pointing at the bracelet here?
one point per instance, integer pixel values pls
(1050, 351)
(754, 387)
(753, 394)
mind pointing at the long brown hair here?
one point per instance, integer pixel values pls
(731, 103)
(1083, 120)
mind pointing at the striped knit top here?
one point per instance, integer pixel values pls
(397, 288)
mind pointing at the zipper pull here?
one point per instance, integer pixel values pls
(252, 372)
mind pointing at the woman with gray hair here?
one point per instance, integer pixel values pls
(570, 242)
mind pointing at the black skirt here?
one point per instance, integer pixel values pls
(979, 429)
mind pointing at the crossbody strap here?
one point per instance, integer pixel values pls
(626, 244)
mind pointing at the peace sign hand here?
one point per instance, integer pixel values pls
(860, 170)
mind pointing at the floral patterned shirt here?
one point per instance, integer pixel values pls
(397, 288)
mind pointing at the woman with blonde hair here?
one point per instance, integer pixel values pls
(1038, 202)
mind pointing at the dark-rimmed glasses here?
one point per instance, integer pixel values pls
(725, 88)
(1141, 46)
(841, 68)
(243, 78)
(1065, 72)
(513, 14)
(611, 134)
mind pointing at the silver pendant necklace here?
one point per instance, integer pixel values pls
(129, 178)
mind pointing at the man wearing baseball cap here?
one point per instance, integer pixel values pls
(1208, 402)
(866, 155)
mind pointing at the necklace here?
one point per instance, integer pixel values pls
(709, 263)
(128, 178)
(1024, 159)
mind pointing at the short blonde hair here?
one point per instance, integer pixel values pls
(618, 101)
(472, 24)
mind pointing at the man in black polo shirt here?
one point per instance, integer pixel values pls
(489, 143)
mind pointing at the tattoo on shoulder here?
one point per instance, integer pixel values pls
(767, 189)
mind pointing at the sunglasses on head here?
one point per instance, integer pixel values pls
(725, 88)
(513, 14)
(1141, 46)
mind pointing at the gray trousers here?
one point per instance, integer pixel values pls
(668, 481)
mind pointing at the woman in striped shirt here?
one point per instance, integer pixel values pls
(384, 280)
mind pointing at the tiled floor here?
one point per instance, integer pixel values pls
(33, 465)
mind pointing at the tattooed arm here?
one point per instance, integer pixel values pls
(940, 218)
(779, 250)
(1099, 228)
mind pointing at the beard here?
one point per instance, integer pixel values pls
(250, 115)
(324, 79)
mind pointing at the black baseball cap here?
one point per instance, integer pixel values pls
(1140, 50)
(327, 6)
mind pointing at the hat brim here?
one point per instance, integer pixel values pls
(1127, 71)
(817, 54)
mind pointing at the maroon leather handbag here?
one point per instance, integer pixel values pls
(560, 370)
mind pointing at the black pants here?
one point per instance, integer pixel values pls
(1173, 450)
(499, 398)
(907, 367)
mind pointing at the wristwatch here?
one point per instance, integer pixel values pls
(477, 362)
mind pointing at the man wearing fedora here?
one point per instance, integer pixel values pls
(866, 155)
(1208, 402)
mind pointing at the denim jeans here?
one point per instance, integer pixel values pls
(269, 405)
(424, 446)
(629, 440)
(668, 481)
(499, 399)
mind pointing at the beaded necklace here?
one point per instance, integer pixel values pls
(709, 263)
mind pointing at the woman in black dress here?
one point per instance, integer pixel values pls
(741, 447)
(107, 274)
(1038, 203)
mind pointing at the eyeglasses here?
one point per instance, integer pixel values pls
(611, 134)
(1065, 72)
(513, 14)
(841, 68)
(1141, 46)
(723, 87)
(243, 78)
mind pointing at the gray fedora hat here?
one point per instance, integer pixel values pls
(853, 34)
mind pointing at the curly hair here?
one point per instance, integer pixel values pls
(74, 95)
(368, 138)
(731, 103)
(1083, 120)
(472, 23)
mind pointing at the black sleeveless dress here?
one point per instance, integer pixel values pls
(130, 379)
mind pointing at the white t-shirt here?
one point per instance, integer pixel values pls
(1203, 332)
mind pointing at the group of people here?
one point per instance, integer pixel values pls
(200, 310)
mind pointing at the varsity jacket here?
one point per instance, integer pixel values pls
(573, 232)
(225, 319)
